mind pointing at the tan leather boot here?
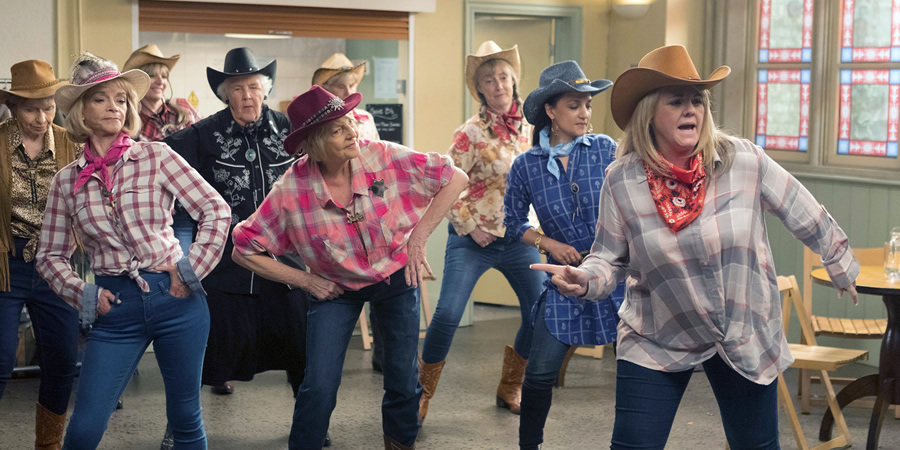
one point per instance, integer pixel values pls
(429, 374)
(509, 392)
(48, 429)
(390, 444)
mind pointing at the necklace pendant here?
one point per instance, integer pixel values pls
(250, 154)
(575, 188)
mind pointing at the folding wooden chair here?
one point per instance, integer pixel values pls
(426, 313)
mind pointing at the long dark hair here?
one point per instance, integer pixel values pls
(542, 119)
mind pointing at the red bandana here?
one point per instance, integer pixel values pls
(508, 122)
(679, 199)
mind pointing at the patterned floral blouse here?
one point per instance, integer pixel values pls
(485, 147)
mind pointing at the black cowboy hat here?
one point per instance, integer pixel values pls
(239, 62)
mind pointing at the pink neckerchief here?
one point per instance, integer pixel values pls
(96, 164)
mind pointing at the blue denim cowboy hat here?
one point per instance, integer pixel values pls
(239, 62)
(560, 78)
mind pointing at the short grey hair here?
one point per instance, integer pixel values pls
(222, 90)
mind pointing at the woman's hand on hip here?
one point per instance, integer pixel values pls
(563, 253)
(571, 281)
(416, 262)
(321, 288)
(177, 288)
(482, 238)
(105, 301)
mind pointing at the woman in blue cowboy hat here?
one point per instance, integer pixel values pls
(560, 176)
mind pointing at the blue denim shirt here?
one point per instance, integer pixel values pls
(567, 209)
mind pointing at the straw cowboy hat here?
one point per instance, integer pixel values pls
(560, 78)
(32, 79)
(239, 62)
(313, 108)
(89, 71)
(665, 66)
(335, 64)
(149, 54)
(487, 51)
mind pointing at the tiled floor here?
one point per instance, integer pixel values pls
(462, 414)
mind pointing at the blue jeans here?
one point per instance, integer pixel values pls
(464, 263)
(55, 325)
(178, 329)
(330, 325)
(646, 402)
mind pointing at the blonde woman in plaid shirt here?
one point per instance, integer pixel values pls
(682, 218)
(118, 199)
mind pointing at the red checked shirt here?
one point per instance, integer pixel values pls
(157, 126)
(300, 217)
(133, 232)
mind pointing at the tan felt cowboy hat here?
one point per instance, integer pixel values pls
(487, 51)
(89, 71)
(335, 64)
(149, 54)
(32, 79)
(665, 66)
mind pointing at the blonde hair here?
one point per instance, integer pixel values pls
(184, 116)
(639, 137)
(314, 144)
(79, 132)
(349, 77)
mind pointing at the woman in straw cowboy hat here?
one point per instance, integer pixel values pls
(485, 147)
(32, 150)
(359, 213)
(339, 76)
(118, 199)
(682, 218)
(560, 176)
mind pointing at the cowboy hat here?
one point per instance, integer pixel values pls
(560, 78)
(89, 71)
(313, 108)
(239, 62)
(149, 54)
(32, 79)
(665, 66)
(487, 51)
(335, 64)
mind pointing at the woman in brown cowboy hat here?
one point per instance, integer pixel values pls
(32, 150)
(339, 76)
(485, 147)
(682, 218)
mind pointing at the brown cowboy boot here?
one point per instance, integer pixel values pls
(429, 374)
(509, 392)
(48, 429)
(390, 444)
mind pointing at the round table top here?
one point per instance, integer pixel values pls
(871, 280)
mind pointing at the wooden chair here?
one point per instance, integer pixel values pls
(841, 327)
(595, 351)
(810, 356)
(425, 308)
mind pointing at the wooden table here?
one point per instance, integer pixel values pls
(885, 385)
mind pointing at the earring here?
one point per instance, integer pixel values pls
(554, 128)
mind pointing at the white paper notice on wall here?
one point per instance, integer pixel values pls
(385, 78)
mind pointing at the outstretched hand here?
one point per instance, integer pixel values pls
(571, 281)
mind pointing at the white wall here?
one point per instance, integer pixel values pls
(29, 32)
(382, 5)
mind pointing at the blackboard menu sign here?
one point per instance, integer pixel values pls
(388, 120)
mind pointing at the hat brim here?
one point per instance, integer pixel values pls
(68, 94)
(322, 74)
(216, 77)
(293, 140)
(637, 82)
(533, 108)
(510, 55)
(47, 91)
(140, 59)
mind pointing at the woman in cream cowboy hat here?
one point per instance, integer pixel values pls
(485, 147)
(682, 218)
(117, 198)
(339, 76)
(32, 150)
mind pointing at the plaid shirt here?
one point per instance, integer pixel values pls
(133, 232)
(157, 126)
(300, 217)
(709, 288)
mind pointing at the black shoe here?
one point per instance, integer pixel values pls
(223, 389)
(119, 404)
(327, 442)
(168, 441)
(376, 366)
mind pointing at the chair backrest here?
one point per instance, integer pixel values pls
(865, 256)
(791, 297)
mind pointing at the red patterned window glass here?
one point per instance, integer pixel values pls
(782, 115)
(870, 31)
(870, 112)
(785, 31)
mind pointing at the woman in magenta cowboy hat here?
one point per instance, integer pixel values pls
(358, 213)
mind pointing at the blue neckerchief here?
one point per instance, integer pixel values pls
(558, 150)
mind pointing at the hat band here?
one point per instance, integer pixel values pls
(335, 104)
(579, 81)
(34, 86)
(101, 75)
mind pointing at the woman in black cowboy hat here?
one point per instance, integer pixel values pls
(561, 177)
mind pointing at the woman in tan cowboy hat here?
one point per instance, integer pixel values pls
(682, 218)
(32, 150)
(339, 76)
(117, 198)
(485, 147)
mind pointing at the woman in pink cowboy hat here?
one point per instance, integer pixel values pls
(682, 218)
(359, 214)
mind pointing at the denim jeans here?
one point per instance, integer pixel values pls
(178, 329)
(330, 325)
(646, 402)
(464, 263)
(55, 325)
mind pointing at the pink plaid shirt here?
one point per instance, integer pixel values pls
(133, 232)
(300, 217)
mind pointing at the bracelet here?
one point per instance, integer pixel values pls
(537, 243)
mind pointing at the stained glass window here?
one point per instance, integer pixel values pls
(785, 31)
(870, 30)
(869, 112)
(782, 119)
